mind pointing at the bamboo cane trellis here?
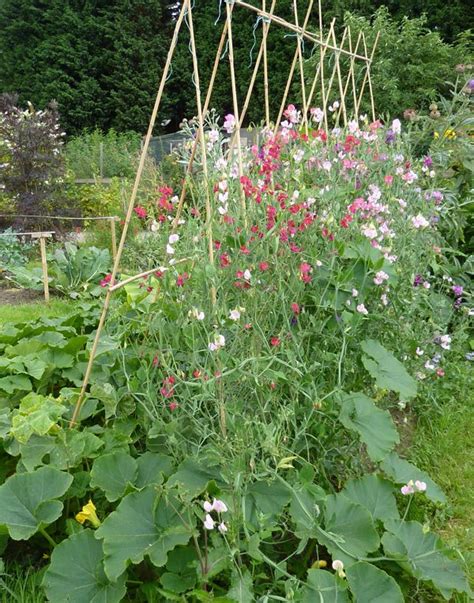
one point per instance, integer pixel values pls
(328, 46)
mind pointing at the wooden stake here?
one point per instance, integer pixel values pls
(113, 237)
(44, 265)
(128, 217)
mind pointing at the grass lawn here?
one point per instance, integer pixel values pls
(444, 445)
(33, 311)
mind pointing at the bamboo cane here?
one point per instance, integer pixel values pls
(351, 76)
(318, 71)
(339, 80)
(207, 102)
(301, 63)
(250, 89)
(265, 28)
(367, 74)
(333, 73)
(209, 213)
(300, 31)
(321, 63)
(236, 111)
(128, 217)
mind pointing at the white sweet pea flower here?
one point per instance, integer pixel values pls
(209, 523)
(419, 221)
(338, 567)
(234, 314)
(219, 506)
(222, 528)
(396, 126)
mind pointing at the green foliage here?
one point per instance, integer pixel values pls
(72, 271)
(76, 270)
(88, 581)
(144, 524)
(13, 251)
(400, 84)
(218, 456)
(369, 583)
(374, 426)
(28, 501)
(30, 152)
(110, 155)
(388, 372)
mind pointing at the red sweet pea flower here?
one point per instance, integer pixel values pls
(106, 280)
(295, 308)
(182, 278)
(224, 260)
(275, 341)
(264, 266)
(140, 211)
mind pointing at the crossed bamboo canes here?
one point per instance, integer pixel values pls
(329, 44)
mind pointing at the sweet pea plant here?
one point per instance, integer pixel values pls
(238, 443)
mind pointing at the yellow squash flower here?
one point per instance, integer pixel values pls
(88, 514)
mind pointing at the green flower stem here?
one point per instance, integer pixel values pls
(48, 537)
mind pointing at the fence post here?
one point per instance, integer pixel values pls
(42, 236)
(101, 161)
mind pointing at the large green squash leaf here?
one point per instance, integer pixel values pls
(76, 573)
(349, 531)
(402, 472)
(388, 372)
(36, 415)
(374, 426)
(324, 587)
(421, 554)
(194, 477)
(113, 472)
(152, 467)
(375, 494)
(27, 500)
(371, 584)
(144, 524)
(14, 383)
(241, 589)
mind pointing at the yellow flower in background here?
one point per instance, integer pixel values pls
(449, 133)
(436, 135)
(319, 564)
(89, 514)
